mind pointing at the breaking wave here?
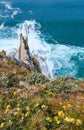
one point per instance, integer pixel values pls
(55, 59)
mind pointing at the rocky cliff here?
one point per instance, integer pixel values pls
(30, 101)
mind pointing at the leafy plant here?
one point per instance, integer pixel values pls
(36, 78)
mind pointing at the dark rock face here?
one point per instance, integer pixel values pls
(36, 64)
(25, 56)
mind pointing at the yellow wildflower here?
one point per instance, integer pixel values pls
(15, 93)
(6, 111)
(50, 93)
(57, 120)
(22, 118)
(8, 106)
(48, 119)
(27, 114)
(18, 105)
(61, 113)
(69, 105)
(15, 113)
(78, 122)
(2, 125)
(18, 109)
(27, 108)
(70, 120)
(60, 103)
(10, 122)
(43, 106)
(36, 105)
(64, 107)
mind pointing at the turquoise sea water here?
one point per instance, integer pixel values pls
(56, 34)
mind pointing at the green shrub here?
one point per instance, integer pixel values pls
(64, 84)
(8, 80)
(36, 78)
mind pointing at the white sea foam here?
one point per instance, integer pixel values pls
(38, 46)
(57, 57)
(15, 12)
(9, 41)
(30, 12)
(54, 59)
(9, 45)
(2, 26)
(2, 16)
(9, 11)
(7, 5)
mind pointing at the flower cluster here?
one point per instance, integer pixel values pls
(39, 112)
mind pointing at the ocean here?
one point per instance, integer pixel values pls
(56, 33)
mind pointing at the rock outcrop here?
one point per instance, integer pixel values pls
(24, 50)
(2, 54)
(36, 64)
(26, 57)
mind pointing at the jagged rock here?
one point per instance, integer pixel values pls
(25, 56)
(2, 54)
(23, 50)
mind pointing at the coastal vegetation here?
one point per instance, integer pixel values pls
(31, 101)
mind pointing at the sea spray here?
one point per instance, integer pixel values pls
(38, 46)
(8, 11)
(54, 59)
